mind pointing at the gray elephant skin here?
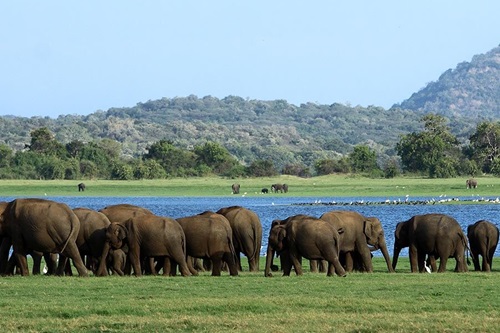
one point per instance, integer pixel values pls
(247, 234)
(235, 188)
(471, 183)
(209, 236)
(361, 236)
(41, 225)
(303, 236)
(483, 241)
(147, 236)
(123, 212)
(92, 235)
(436, 235)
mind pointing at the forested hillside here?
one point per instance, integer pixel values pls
(472, 89)
(248, 129)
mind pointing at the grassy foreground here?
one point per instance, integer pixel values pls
(378, 302)
(333, 185)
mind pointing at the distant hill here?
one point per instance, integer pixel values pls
(472, 89)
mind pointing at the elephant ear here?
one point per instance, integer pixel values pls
(281, 235)
(121, 232)
(369, 231)
(401, 233)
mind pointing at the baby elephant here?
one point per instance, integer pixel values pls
(483, 240)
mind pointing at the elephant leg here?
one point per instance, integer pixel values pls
(297, 265)
(178, 260)
(135, 261)
(349, 262)
(71, 251)
(216, 265)
(37, 262)
(413, 259)
(22, 263)
(190, 263)
(253, 264)
(313, 266)
(286, 264)
(491, 253)
(51, 262)
(442, 263)
(421, 261)
(229, 259)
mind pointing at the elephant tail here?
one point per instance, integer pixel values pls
(466, 247)
(71, 233)
(231, 247)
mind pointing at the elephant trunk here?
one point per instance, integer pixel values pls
(383, 247)
(395, 257)
(102, 270)
(269, 261)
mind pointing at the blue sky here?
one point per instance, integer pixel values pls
(68, 57)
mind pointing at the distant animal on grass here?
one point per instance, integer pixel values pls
(81, 187)
(264, 191)
(235, 188)
(471, 183)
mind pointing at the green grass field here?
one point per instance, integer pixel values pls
(378, 302)
(360, 302)
(334, 185)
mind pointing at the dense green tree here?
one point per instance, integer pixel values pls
(175, 161)
(6, 155)
(363, 159)
(262, 168)
(215, 156)
(430, 150)
(44, 142)
(485, 144)
(330, 166)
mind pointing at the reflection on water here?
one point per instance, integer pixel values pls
(270, 207)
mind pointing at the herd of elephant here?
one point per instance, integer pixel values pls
(275, 188)
(122, 238)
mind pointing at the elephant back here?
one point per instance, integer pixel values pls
(122, 212)
(55, 222)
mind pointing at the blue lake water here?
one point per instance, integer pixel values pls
(280, 207)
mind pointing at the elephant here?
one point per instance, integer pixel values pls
(247, 234)
(116, 261)
(361, 236)
(483, 241)
(147, 236)
(304, 236)
(81, 187)
(41, 225)
(264, 191)
(471, 183)
(209, 236)
(436, 235)
(92, 235)
(279, 187)
(123, 212)
(236, 188)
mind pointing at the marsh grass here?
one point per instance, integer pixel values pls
(333, 185)
(378, 302)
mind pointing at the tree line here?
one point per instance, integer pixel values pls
(433, 152)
